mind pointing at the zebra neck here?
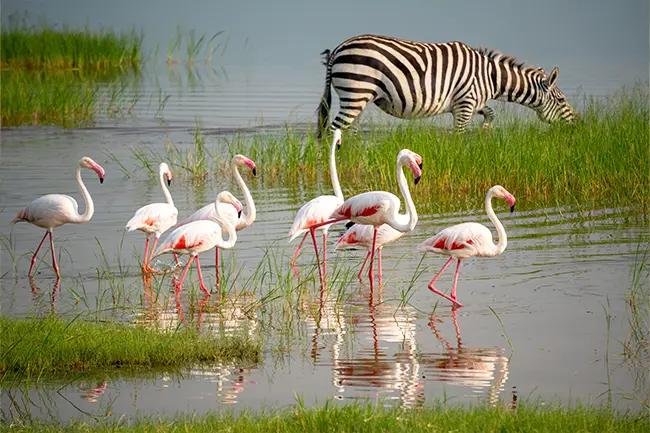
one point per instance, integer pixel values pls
(513, 84)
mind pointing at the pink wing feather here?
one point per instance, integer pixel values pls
(155, 217)
(313, 212)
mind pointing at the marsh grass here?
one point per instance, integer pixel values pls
(35, 348)
(374, 418)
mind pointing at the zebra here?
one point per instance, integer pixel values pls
(410, 79)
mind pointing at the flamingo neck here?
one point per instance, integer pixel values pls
(166, 193)
(333, 174)
(404, 222)
(503, 239)
(90, 206)
(230, 229)
(248, 217)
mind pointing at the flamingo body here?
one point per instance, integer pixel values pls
(313, 212)
(370, 208)
(362, 234)
(154, 218)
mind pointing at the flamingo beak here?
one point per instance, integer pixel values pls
(101, 180)
(349, 224)
(254, 171)
(417, 179)
(169, 182)
(338, 144)
(239, 213)
(512, 208)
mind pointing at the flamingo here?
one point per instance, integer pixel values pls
(380, 207)
(155, 218)
(318, 210)
(199, 236)
(469, 239)
(209, 212)
(362, 234)
(53, 210)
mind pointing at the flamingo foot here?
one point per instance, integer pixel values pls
(449, 298)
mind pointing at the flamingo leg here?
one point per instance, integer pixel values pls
(201, 284)
(56, 267)
(372, 258)
(438, 292)
(146, 252)
(379, 262)
(31, 268)
(320, 271)
(453, 287)
(148, 268)
(178, 262)
(179, 284)
(216, 266)
(364, 265)
(295, 256)
(325, 252)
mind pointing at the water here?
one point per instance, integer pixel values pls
(534, 318)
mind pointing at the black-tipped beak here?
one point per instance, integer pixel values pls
(512, 208)
(417, 179)
(239, 214)
(169, 182)
(349, 224)
(101, 180)
(420, 165)
(254, 171)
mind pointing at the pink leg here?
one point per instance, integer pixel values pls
(178, 262)
(216, 266)
(198, 270)
(295, 256)
(179, 284)
(372, 258)
(453, 287)
(320, 271)
(438, 292)
(364, 265)
(56, 267)
(325, 253)
(146, 252)
(153, 248)
(31, 268)
(379, 262)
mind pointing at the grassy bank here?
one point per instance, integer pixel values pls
(361, 418)
(54, 77)
(37, 347)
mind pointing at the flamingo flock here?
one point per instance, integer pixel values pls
(374, 222)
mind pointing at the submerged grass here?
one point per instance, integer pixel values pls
(368, 418)
(32, 348)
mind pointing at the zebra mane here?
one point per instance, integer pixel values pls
(498, 56)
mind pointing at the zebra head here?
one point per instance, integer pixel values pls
(553, 105)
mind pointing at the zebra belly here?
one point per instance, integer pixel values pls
(395, 110)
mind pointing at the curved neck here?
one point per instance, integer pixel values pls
(248, 217)
(90, 206)
(404, 222)
(333, 174)
(168, 196)
(503, 239)
(230, 229)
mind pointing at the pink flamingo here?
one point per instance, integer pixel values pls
(380, 207)
(199, 236)
(469, 239)
(362, 235)
(318, 210)
(155, 218)
(209, 212)
(54, 210)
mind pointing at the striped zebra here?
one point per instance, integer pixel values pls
(414, 79)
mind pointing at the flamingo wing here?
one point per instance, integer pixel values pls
(49, 211)
(313, 212)
(470, 238)
(368, 207)
(155, 217)
(191, 238)
(362, 234)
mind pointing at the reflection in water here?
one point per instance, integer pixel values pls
(92, 393)
(477, 368)
(38, 299)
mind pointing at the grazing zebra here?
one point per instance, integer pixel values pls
(414, 79)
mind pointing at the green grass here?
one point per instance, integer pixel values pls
(367, 418)
(600, 162)
(32, 348)
(46, 48)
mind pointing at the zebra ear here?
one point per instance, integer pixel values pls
(553, 77)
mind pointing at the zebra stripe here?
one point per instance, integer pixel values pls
(410, 79)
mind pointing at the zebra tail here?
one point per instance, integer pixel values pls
(326, 99)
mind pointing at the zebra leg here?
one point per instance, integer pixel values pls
(488, 116)
(352, 104)
(462, 113)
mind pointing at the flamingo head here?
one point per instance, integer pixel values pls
(87, 162)
(242, 160)
(165, 171)
(337, 138)
(500, 192)
(413, 160)
(227, 197)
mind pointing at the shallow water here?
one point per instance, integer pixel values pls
(562, 268)
(535, 318)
